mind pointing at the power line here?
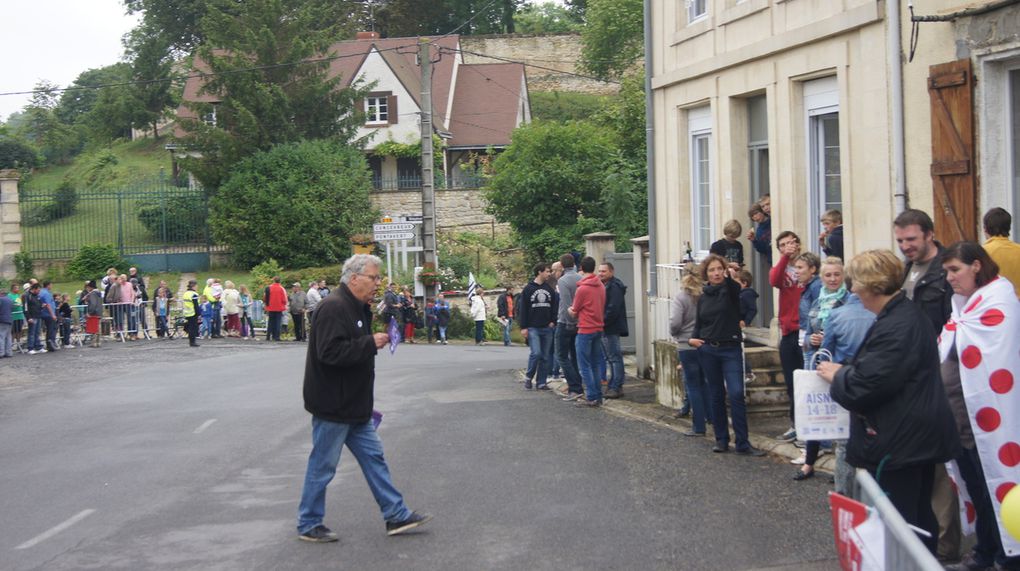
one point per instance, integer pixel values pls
(466, 22)
(200, 75)
(524, 63)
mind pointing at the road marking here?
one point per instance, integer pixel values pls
(205, 425)
(55, 530)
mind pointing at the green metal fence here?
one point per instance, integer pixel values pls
(154, 224)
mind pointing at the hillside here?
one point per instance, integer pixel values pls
(106, 167)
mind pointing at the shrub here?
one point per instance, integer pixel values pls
(15, 154)
(263, 274)
(24, 266)
(185, 219)
(64, 202)
(92, 261)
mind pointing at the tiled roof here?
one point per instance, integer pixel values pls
(487, 104)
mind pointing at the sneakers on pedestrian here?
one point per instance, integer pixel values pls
(799, 460)
(318, 534)
(32, 352)
(414, 520)
(749, 378)
(572, 397)
(969, 563)
(613, 394)
(788, 436)
(585, 403)
(749, 451)
(42, 351)
(527, 386)
(543, 388)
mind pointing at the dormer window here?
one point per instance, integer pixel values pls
(210, 117)
(380, 108)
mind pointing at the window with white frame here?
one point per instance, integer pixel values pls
(1014, 144)
(821, 103)
(699, 123)
(210, 117)
(377, 109)
(696, 10)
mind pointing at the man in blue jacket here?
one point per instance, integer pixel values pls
(339, 391)
(615, 320)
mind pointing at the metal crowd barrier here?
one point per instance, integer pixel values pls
(904, 550)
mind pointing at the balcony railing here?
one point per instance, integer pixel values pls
(399, 183)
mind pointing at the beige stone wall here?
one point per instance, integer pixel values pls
(462, 209)
(10, 222)
(554, 51)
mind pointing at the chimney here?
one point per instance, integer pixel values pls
(367, 36)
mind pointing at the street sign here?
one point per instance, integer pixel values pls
(414, 218)
(388, 236)
(393, 227)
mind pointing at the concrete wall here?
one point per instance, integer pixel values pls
(456, 209)
(554, 51)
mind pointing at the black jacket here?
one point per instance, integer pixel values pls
(503, 309)
(718, 315)
(340, 366)
(539, 306)
(932, 293)
(615, 316)
(893, 389)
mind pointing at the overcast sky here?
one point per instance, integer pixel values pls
(56, 40)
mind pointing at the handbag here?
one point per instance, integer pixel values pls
(816, 415)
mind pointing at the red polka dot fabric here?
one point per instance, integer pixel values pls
(985, 331)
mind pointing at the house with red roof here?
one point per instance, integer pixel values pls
(475, 107)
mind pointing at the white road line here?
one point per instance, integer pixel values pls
(55, 530)
(205, 425)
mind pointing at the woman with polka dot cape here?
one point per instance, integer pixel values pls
(980, 351)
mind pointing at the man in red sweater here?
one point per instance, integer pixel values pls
(275, 300)
(588, 308)
(784, 278)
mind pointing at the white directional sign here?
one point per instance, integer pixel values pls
(387, 236)
(392, 227)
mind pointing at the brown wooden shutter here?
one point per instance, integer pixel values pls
(391, 106)
(359, 108)
(953, 168)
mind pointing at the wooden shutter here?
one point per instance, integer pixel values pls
(391, 108)
(953, 167)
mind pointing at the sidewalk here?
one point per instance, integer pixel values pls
(638, 402)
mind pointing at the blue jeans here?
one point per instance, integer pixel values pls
(506, 330)
(696, 388)
(589, 353)
(51, 331)
(614, 359)
(540, 341)
(555, 370)
(328, 439)
(566, 356)
(723, 367)
(214, 326)
(33, 334)
(479, 331)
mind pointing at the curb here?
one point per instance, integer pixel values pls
(663, 417)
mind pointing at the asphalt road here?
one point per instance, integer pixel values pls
(152, 456)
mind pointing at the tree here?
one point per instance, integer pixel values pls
(550, 178)
(298, 203)
(400, 18)
(613, 38)
(263, 102)
(177, 22)
(16, 154)
(546, 18)
(56, 140)
(152, 70)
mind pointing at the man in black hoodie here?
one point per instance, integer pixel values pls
(538, 311)
(615, 319)
(339, 392)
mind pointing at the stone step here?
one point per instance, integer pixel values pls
(761, 357)
(768, 376)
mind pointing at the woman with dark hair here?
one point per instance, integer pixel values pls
(900, 422)
(981, 335)
(717, 337)
(783, 276)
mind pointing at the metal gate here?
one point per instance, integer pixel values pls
(155, 225)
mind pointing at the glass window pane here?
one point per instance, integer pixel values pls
(757, 120)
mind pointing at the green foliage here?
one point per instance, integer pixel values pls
(549, 176)
(624, 116)
(92, 261)
(612, 41)
(546, 18)
(409, 18)
(64, 202)
(99, 169)
(274, 104)
(151, 59)
(135, 160)
(24, 266)
(565, 106)
(16, 154)
(263, 273)
(185, 219)
(57, 141)
(177, 22)
(298, 203)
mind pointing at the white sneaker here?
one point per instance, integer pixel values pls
(800, 460)
(32, 352)
(43, 351)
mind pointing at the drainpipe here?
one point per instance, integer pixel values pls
(650, 149)
(894, 48)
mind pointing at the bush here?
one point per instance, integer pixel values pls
(263, 274)
(64, 202)
(185, 219)
(15, 154)
(24, 266)
(92, 261)
(298, 203)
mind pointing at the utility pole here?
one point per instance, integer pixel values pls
(428, 191)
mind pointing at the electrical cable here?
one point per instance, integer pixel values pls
(524, 63)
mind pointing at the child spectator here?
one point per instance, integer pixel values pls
(161, 307)
(761, 237)
(729, 246)
(205, 328)
(64, 311)
(831, 240)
